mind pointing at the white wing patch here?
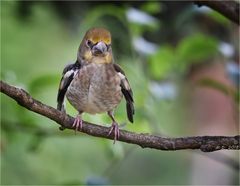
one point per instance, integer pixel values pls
(121, 76)
(66, 80)
(124, 80)
(69, 73)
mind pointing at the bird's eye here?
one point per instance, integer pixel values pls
(108, 46)
(89, 43)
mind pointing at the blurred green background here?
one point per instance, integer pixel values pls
(158, 44)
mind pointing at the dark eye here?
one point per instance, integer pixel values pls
(89, 43)
(108, 46)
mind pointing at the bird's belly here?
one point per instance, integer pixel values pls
(94, 95)
(102, 99)
(94, 100)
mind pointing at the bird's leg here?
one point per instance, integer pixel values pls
(114, 128)
(77, 124)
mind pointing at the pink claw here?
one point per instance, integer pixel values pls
(114, 128)
(77, 124)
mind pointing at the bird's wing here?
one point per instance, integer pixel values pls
(127, 92)
(67, 76)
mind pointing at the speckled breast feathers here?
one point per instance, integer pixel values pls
(95, 89)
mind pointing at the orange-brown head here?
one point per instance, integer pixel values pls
(96, 46)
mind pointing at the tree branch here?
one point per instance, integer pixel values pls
(204, 143)
(229, 9)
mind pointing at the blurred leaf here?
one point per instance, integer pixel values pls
(196, 48)
(151, 7)
(219, 18)
(161, 62)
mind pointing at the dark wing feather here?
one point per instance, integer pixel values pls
(127, 92)
(67, 77)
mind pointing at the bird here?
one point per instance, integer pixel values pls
(95, 84)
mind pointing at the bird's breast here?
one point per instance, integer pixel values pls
(95, 89)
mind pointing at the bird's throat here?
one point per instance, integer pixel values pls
(99, 59)
(102, 59)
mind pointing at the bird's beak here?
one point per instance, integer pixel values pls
(99, 48)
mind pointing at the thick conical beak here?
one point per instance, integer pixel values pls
(99, 48)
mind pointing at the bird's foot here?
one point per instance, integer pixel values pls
(115, 129)
(77, 124)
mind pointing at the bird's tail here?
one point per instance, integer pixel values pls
(130, 111)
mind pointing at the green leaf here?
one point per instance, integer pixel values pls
(196, 48)
(219, 18)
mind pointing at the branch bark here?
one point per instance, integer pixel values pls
(204, 143)
(229, 9)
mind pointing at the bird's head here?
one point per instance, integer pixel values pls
(96, 46)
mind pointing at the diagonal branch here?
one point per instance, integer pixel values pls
(229, 8)
(204, 143)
